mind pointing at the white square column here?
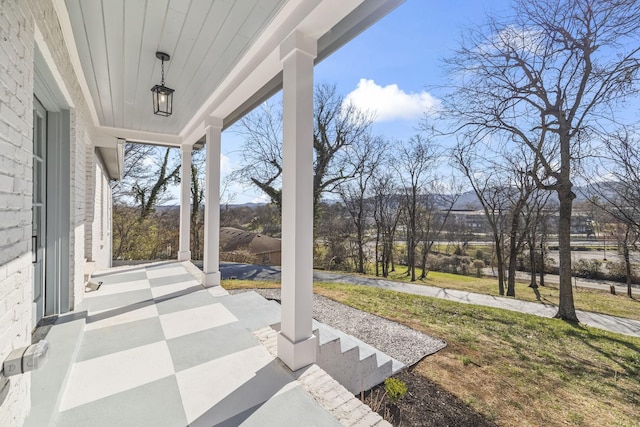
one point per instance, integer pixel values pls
(211, 261)
(184, 251)
(296, 342)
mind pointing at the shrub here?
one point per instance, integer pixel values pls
(587, 268)
(478, 264)
(549, 263)
(618, 271)
(395, 389)
(450, 264)
(241, 255)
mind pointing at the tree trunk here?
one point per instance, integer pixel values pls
(393, 261)
(532, 262)
(423, 261)
(376, 254)
(360, 248)
(627, 261)
(500, 260)
(511, 276)
(542, 264)
(566, 308)
(513, 251)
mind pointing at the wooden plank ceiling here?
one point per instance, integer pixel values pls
(117, 41)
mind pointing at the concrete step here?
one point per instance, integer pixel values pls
(357, 365)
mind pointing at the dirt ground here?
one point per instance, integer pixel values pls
(425, 404)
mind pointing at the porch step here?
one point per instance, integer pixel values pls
(49, 382)
(355, 364)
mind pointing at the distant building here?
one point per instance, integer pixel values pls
(471, 219)
(236, 244)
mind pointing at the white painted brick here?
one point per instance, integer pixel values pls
(6, 183)
(12, 337)
(17, 19)
(10, 284)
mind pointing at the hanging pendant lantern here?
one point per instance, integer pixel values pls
(162, 95)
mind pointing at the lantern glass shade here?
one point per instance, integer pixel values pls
(162, 100)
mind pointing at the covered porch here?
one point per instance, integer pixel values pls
(78, 77)
(221, 59)
(152, 346)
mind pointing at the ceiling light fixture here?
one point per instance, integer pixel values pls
(162, 95)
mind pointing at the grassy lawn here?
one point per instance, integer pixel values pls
(516, 369)
(585, 299)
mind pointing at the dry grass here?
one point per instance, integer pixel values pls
(514, 368)
(249, 284)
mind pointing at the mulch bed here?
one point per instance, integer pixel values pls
(425, 404)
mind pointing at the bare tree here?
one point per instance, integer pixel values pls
(491, 193)
(549, 79)
(337, 125)
(262, 150)
(536, 216)
(620, 198)
(365, 158)
(148, 178)
(197, 203)
(415, 167)
(334, 229)
(435, 209)
(139, 232)
(386, 214)
(134, 167)
(521, 188)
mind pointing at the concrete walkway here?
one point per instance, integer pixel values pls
(601, 285)
(596, 320)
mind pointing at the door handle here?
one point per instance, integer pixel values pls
(34, 249)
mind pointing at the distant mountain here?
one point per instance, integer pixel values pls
(466, 201)
(250, 205)
(469, 200)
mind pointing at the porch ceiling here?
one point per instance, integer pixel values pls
(224, 56)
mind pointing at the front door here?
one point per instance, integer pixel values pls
(39, 211)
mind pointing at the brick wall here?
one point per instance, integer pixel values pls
(98, 215)
(102, 218)
(80, 145)
(18, 22)
(89, 208)
(16, 121)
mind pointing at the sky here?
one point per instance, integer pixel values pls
(392, 68)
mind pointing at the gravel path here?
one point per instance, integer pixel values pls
(398, 341)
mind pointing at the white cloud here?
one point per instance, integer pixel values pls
(390, 102)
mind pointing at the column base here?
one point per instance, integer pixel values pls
(184, 256)
(211, 279)
(297, 355)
